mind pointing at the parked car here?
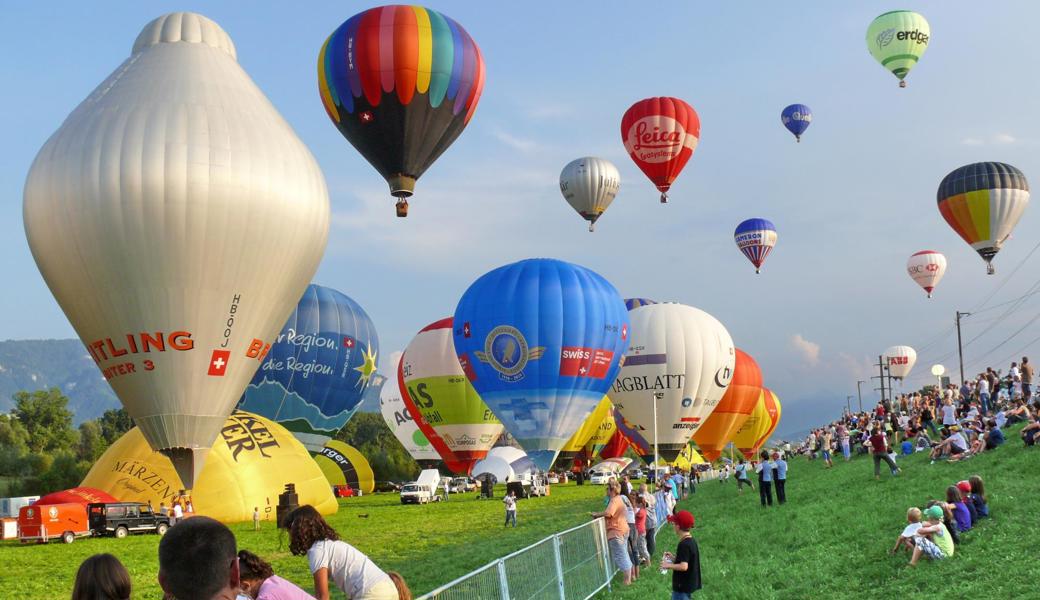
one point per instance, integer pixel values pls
(422, 490)
(123, 518)
(601, 477)
(460, 485)
(52, 522)
(553, 478)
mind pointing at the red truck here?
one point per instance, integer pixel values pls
(52, 521)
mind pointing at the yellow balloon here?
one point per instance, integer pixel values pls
(687, 458)
(759, 426)
(603, 411)
(251, 461)
(602, 435)
(342, 464)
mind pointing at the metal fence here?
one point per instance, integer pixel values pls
(570, 565)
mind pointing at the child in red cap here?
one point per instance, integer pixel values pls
(685, 564)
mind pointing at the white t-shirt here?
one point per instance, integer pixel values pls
(351, 570)
(1014, 372)
(510, 503)
(958, 440)
(178, 512)
(910, 530)
(983, 386)
(949, 415)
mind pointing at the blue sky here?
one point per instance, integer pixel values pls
(851, 202)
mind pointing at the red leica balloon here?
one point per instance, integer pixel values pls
(660, 134)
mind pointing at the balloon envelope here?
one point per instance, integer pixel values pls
(570, 450)
(759, 426)
(318, 369)
(983, 202)
(400, 83)
(343, 464)
(735, 407)
(177, 219)
(755, 238)
(685, 355)
(796, 118)
(927, 268)
(897, 40)
(541, 340)
(661, 134)
(399, 419)
(589, 185)
(900, 360)
(640, 440)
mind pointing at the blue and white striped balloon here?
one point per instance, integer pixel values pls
(755, 238)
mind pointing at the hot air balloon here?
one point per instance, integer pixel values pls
(796, 118)
(755, 431)
(573, 447)
(755, 238)
(399, 419)
(456, 421)
(926, 268)
(983, 202)
(660, 134)
(343, 464)
(636, 437)
(589, 185)
(897, 40)
(541, 340)
(685, 358)
(400, 83)
(616, 447)
(735, 407)
(599, 439)
(631, 303)
(177, 219)
(900, 360)
(318, 369)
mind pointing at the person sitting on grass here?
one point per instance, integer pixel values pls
(976, 445)
(259, 582)
(965, 489)
(1030, 431)
(978, 496)
(947, 519)
(685, 564)
(994, 436)
(101, 577)
(906, 538)
(955, 502)
(932, 539)
(950, 446)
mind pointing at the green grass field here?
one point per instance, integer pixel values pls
(830, 539)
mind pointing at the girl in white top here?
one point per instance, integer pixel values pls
(949, 413)
(333, 559)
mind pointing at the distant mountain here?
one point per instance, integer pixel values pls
(37, 364)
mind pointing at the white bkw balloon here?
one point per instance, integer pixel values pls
(589, 185)
(683, 353)
(926, 268)
(900, 360)
(177, 220)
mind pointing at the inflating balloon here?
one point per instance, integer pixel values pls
(603, 433)
(446, 407)
(683, 357)
(631, 303)
(399, 419)
(735, 407)
(639, 439)
(755, 238)
(589, 185)
(755, 431)
(251, 461)
(897, 40)
(926, 268)
(573, 447)
(900, 360)
(400, 83)
(177, 219)
(616, 447)
(318, 369)
(541, 340)
(796, 118)
(343, 464)
(983, 202)
(660, 134)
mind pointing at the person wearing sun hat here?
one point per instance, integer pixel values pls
(685, 564)
(932, 539)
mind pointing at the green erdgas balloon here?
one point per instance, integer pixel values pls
(897, 40)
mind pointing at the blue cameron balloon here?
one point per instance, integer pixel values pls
(541, 340)
(796, 119)
(317, 371)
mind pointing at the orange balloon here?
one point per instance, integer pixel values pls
(759, 426)
(733, 409)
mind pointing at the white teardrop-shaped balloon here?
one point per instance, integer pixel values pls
(926, 268)
(400, 420)
(900, 360)
(589, 185)
(177, 219)
(683, 353)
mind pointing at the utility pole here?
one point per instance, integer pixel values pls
(960, 349)
(859, 392)
(881, 376)
(848, 404)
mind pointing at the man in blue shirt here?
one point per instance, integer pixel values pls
(994, 437)
(779, 477)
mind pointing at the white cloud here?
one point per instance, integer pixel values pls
(971, 141)
(997, 139)
(516, 143)
(544, 111)
(1004, 138)
(809, 351)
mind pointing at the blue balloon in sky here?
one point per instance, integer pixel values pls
(632, 303)
(541, 340)
(796, 119)
(318, 369)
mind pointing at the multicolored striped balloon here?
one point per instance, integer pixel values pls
(983, 202)
(755, 238)
(400, 83)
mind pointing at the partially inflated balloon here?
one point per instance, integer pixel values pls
(900, 360)
(755, 431)
(603, 433)
(660, 134)
(640, 440)
(796, 118)
(343, 464)
(926, 268)
(541, 340)
(735, 407)
(755, 238)
(573, 447)
(318, 368)
(897, 40)
(446, 407)
(616, 447)
(983, 202)
(177, 219)
(685, 356)
(589, 185)
(399, 419)
(400, 83)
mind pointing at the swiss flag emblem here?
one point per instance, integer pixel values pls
(218, 362)
(348, 342)
(366, 116)
(466, 332)
(624, 332)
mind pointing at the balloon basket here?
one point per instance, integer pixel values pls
(989, 269)
(902, 84)
(402, 208)
(664, 198)
(592, 226)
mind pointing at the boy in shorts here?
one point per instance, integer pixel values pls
(932, 539)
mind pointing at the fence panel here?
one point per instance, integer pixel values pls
(583, 557)
(532, 573)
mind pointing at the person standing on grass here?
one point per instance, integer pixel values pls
(1027, 379)
(510, 502)
(256, 518)
(879, 450)
(633, 535)
(765, 479)
(780, 477)
(642, 551)
(617, 530)
(742, 477)
(178, 514)
(685, 564)
(828, 439)
(651, 517)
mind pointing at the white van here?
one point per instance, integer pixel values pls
(422, 490)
